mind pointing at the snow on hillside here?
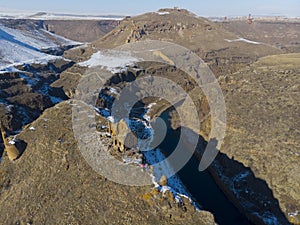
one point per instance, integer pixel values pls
(244, 40)
(25, 46)
(114, 61)
(34, 39)
(53, 16)
(163, 13)
(56, 16)
(13, 54)
(62, 40)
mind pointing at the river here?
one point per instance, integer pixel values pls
(201, 185)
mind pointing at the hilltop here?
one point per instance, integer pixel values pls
(210, 41)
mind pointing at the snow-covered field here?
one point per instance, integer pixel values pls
(13, 54)
(53, 16)
(114, 61)
(18, 47)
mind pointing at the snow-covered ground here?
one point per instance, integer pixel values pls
(174, 183)
(11, 14)
(56, 16)
(14, 54)
(19, 47)
(34, 39)
(114, 61)
(153, 156)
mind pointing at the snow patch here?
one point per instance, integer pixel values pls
(238, 179)
(30, 81)
(13, 55)
(12, 142)
(32, 128)
(129, 160)
(294, 213)
(111, 119)
(10, 70)
(114, 91)
(55, 100)
(163, 13)
(151, 105)
(155, 156)
(243, 40)
(112, 60)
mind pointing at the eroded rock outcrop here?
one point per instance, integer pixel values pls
(52, 184)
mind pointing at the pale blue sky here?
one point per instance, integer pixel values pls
(289, 8)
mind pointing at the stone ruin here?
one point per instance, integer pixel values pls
(9, 145)
(122, 137)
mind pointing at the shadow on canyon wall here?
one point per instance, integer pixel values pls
(227, 188)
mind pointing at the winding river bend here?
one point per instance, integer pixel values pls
(201, 185)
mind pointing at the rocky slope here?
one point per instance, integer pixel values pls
(262, 129)
(261, 136)
(82, 30)
(280, 34)
(210, 41)
(259, 111)
(52, 184)
(25, 42)
(26, 93)
(244, 168)
(27, 89)
(30, 62)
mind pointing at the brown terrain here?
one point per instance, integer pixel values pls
(281, 34)
(82, 30)
(258, 165)
(52, 184)
(262, 129)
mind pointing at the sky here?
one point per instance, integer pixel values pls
(290, 8)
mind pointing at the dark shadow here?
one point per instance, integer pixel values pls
(58, 92)
(58, 51)
(227, 188)
(21, 146)
(1, 148)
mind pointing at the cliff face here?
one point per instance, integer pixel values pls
(26, 93)
(81, 30)
(261, 133)
(262, 128)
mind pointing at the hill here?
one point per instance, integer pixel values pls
(209, 40)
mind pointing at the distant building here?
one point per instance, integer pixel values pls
(250, 19)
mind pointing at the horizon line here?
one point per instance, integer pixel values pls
(8, 11)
